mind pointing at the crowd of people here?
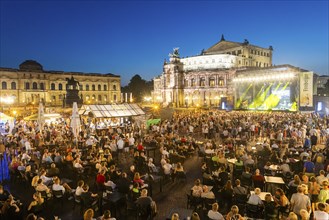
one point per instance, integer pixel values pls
(239, 150)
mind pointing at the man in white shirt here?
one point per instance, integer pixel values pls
(27, 145)
(254, 199)
(300, 201)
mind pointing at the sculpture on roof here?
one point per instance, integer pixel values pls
(175, 53)
(72, 83)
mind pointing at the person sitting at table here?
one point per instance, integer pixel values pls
(238, 167)
(46, 180)
(79, 190)
(100, 180)
(123, 183)
(221, 176)
(41, 187)
(197, 188)
(146, 205)
(11, 210)
(214, 214)
(206, 193)
(309, 167)
(179, 171)
(321, 178)
(110, 183)
(58, 186)
(238, 189)
(89, 214)
(135, 192)
(255, 199)
(234, 214)
(246, 177)
(53, 171)
(227, 194)
(151, 166)
(106, 216)
(284, 166)
(270, 208)
(89, 199)
(131, 172)
(37, 201)
(167, 168)
(281, 200)
(137, 179)
(258, 180)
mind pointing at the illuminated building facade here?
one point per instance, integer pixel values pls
(206, 79)
(30, 84)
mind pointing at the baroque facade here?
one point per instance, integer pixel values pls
(206, 79)
(30, 84)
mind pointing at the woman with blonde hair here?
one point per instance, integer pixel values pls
(304, 214)
(234, 214)
(37, 200)
(88, 215)
(175, 216)
(195, 216)
(292, 216)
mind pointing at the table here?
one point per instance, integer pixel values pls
(148, 149)
(262, 195)
(113, 198)
(233, 160)
(274, 180)
(274, 167)
(182, 212)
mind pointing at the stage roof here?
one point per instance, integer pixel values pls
(111, 111)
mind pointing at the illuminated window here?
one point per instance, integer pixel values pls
(211, 82)
(13, 85)
(4, 85)
(221, 82)
(192, 82)
(52, 86)
(202, 81)
(34, 85)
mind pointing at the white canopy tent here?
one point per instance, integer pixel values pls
(112, 111)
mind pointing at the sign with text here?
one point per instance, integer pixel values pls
(306, 89)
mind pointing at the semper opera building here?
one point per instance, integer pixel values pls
(233, 75)
(30, 84)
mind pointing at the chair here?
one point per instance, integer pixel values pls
(58, 195)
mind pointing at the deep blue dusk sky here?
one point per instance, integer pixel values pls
(128, 37)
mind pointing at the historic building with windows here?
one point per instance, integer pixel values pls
(30, 84)
(206, 79)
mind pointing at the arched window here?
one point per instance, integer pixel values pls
(34, 85)
(93, 97)
(60, 86)
(105, 87)
(27, 85)
(114, 97)
(99, 87)
(87, 87)
(42, 86)
(87, 97)
(221, 82)
(13, 85)
(4, 85)
(93, 87)
(52, 86)
(114, 87)
(212, 82)
(193, 82)
(202, 81)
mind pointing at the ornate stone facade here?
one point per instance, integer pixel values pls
(206, 80)
(30, 84)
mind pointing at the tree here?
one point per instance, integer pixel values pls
(138, 87)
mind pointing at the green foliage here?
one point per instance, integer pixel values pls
(139, 87)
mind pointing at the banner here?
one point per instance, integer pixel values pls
(306, 89)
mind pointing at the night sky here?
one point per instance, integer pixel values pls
(130, 37)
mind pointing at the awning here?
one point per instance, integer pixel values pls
(111, 111)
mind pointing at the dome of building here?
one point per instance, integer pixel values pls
(30, 65)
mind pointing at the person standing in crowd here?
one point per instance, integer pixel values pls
(300, 201)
